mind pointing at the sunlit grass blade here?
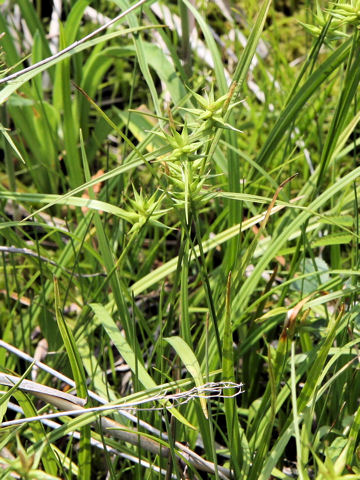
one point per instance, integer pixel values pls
(276, 244)
(228, 369)
(307, 392)
(311, 85)
(127, 353)
(80, 380)
(188, 358)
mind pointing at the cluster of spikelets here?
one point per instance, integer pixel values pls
(335, 21)
(186, 167)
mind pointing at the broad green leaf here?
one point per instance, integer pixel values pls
(127, 353)
(70, 346)
(188, 358)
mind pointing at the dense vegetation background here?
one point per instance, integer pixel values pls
(179, 237)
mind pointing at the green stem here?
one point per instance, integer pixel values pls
(205, 279)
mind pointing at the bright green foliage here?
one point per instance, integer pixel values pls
(212, 111)
(346, 13)
(143, 210)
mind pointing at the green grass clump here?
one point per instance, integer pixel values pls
(179, 240)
